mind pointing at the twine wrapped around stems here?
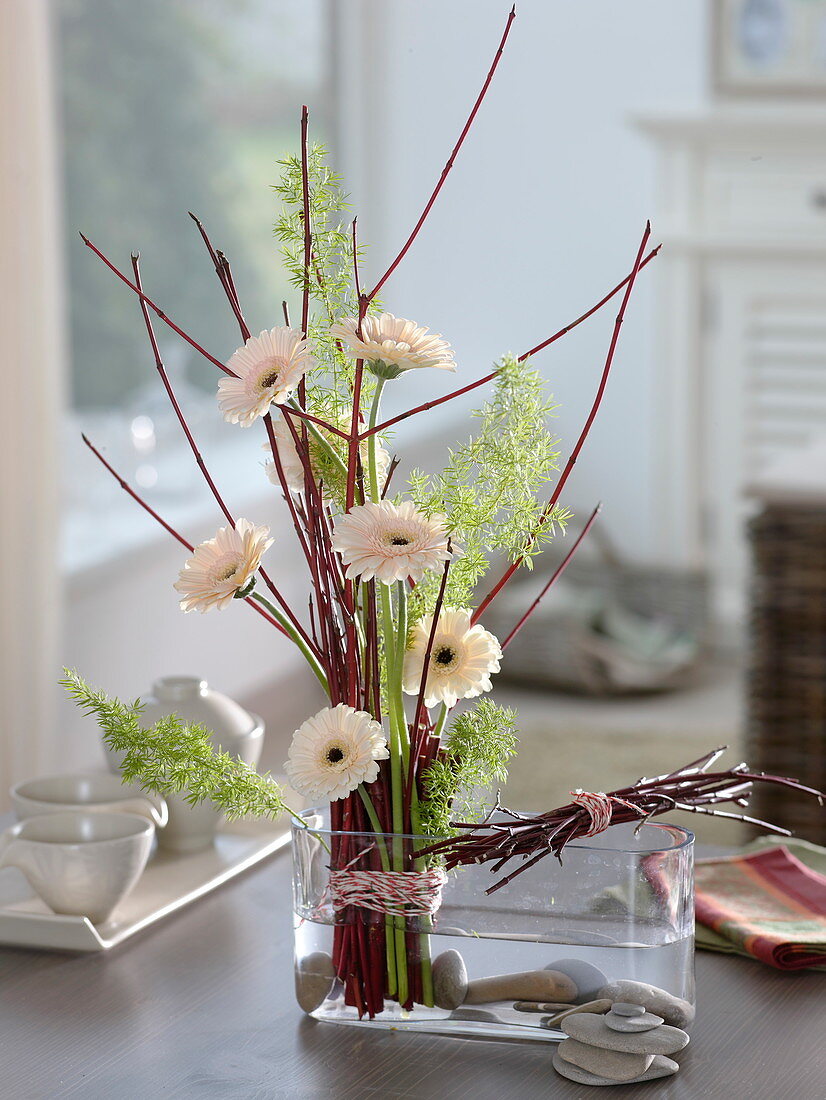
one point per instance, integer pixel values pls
(391, 893)
(530, 838)
(598, 804)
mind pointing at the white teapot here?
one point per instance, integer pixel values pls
(233, 729)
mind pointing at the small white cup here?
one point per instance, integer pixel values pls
(81, 864)
(93, 793)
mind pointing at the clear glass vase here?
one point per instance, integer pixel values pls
(619, 907)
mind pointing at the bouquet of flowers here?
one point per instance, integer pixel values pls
(394, 625)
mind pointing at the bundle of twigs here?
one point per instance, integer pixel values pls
(693, 787)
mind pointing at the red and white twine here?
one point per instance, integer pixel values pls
(598, 806)
(392, 893)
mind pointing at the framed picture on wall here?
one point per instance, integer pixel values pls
(769, 47)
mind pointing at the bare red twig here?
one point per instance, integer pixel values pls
(419, 711)
(302, 414)
(159, 364)
(355, 423)
(305, 194)
(156, 309)
(553, 579)
(450, 160)
(692, 788)
(594, 309)
(161, 369)
(427, 405)
(127, 488)
(569, 465)
(224, 273)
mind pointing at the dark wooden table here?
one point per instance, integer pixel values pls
(202, 1006)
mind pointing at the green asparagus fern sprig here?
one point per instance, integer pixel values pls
(330, 281)
(174, 757)
(474, 756)
(491, 486)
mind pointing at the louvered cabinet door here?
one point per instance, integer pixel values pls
(763, 393)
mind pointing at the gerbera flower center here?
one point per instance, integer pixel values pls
(397, 538)
(444, 657)
(226, 569)
(335, 754)
(270, 372)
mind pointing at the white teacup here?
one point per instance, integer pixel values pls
(81, 864)
(93, 793)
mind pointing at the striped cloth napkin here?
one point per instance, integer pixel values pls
(767, 902)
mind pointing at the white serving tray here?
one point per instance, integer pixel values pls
(168, 883)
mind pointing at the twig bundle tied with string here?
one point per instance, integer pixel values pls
(529, 838)
(389, 623)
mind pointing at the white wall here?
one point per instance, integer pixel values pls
(544, 209)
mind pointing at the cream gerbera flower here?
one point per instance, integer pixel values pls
(391, 344)
(390, 542)
(222, 567)
(461, 660)
(335, 751)
(268, 368)
(324, 467)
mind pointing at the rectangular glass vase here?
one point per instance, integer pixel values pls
(619, 908)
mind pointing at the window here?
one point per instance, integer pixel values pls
(169, 106)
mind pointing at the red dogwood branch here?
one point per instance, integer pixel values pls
(127, 488)
(305, 196)
(554, 578)
(569, 465)
(531, 838)
(533, 351)
(224, 273)
(450, 160)
(156, 309)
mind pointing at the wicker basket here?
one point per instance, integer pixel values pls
(786, 731)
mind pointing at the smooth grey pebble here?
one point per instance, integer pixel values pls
(674, 1010)
(314, 978)
(624, 1008)
(647, 1021)
(592, 1029)
(478, 1015)
(612, 1064)
(586, 977)
(660, 1067)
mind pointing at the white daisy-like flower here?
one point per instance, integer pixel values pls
(222, 567)
(324, 468)
(268, 368)
(461, 660)
(390, 542)
(334, 751)
(391, 344)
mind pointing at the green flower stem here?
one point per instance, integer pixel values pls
(398, 670)
(317, 435)
(399, 743)
(396, 784)
(389, 936)
(371, 442)
(396, 699)
(296, 637)
(440, 721)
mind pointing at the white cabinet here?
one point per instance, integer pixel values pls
(741, 351)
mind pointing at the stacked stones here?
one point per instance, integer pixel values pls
(627, 1045)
